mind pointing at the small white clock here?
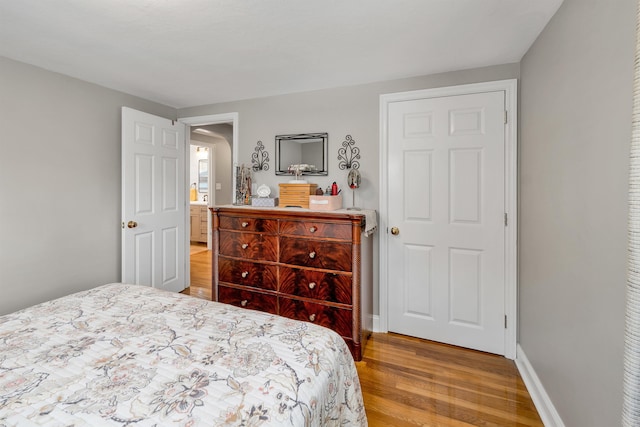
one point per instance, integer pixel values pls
(264, 191)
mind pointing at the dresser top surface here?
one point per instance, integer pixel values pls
(288, 211)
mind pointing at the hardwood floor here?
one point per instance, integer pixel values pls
(200, 272)
(412, 382)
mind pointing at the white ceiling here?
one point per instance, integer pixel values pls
(193, 52)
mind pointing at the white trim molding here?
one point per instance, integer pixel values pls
(542, 401)
(212, 119)
(511, 195)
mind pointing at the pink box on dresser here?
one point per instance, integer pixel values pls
(325, 203)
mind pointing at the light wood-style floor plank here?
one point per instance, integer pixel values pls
(407, 381)
(200, 272)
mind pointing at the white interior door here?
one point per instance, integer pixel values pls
(153, 201)
(446, 197)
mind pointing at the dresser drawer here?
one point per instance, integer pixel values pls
(247, 273)
(269, 226)
(338, 319)
(316, 229)
(316, 285)
(316, 253)
(248, 299)
(249, 245)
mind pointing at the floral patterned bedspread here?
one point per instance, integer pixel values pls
(127, 355)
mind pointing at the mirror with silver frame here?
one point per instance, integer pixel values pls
(307, 152)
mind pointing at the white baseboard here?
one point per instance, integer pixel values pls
(376, 323)
(541, 400)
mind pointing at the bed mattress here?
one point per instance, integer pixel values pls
(127, 355)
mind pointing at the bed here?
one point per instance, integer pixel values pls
(127, 355)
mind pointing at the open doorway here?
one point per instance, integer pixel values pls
(210, 157)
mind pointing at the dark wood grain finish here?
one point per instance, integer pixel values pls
(316, 285)
(247, 273)
(338, 319)
(316, 229)
(316, 253)
(247, 223)
(317, 258)
(248, 299)
(256, 246)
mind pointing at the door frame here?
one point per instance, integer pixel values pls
(511, 196)
(210, 119)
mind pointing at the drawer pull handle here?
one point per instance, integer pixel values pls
(312, 285)
(313, 229)
(245, 274)
(245, 245)
(244, 302)
(312, 317)
(312, 255)
(245, 224)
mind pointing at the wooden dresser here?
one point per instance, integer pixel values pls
(304, 265)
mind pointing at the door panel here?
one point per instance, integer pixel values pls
(153, 201)
(170, 196)
(446, 195)
(143, 259)
(417, 182)
(418, 300)
(170, 248)
(465, 286)
(465, 177)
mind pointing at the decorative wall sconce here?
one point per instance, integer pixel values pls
(348, 154)
(260, 159)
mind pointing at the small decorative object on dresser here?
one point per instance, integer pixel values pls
(354, 179)
(243, 185)
(325, 203)
(263, 199)
(312, 266)
(296, 195)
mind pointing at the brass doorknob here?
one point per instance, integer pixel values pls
(132, 224)
(395, 231)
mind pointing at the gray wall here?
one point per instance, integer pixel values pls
(61, 137)
(223, 164)
(342, 111)
(220, 149)
(575, 134)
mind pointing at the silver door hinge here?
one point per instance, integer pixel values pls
(506, 219)
(505, 321)
(505, 117)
